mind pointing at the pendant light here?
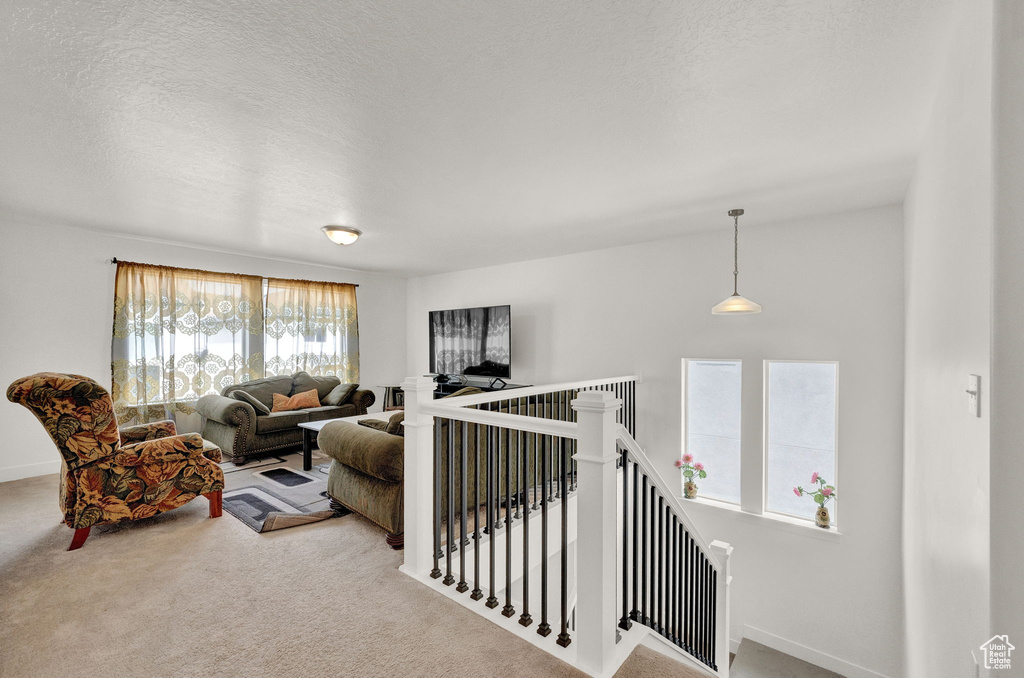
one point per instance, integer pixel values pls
(736, 304)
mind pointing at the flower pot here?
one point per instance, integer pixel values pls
(821, 518)
(690, 489)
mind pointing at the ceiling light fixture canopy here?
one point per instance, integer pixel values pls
(342, 235)
(736, 304)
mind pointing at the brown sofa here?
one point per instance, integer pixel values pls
(235, 421)
(367, 473)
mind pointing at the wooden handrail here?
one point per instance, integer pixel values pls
(638, 457)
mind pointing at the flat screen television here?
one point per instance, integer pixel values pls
(472, 342)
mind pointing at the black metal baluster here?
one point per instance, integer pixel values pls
(536, 471)
(713, 653)
(690, 596)
(518, 469)
(449, 479)
(700, 605)
(644, 610)
(550, 455)
(634, 614)
(563, 481)
(681, 620)
(543, 628)
(674, 584)
(462, 586)
(492, 513)
(687, 600)
(707, 610)
(436, 572)
(477, 593)
(624, 622)
(659, 590)
(524, 618)
(508, 610)
(667, 622)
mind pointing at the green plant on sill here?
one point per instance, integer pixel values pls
(822, 494)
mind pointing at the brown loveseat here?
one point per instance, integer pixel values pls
(235, 420)
(367, 473)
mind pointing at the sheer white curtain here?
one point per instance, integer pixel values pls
(312, 326)
(180, 334)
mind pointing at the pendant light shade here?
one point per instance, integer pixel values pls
(736, 304)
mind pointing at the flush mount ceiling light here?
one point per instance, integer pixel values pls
(341, 235)
(736, 304)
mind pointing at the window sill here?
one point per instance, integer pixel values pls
(775, 521)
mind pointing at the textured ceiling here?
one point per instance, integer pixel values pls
(457, 134)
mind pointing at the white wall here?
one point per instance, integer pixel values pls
(58, 290)
(946, 511)
(832, 289)
(1008, 334)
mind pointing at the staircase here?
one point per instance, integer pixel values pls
(537, 509)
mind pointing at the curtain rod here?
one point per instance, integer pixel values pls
(115, 260)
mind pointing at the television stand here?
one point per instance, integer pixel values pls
(495, 381)
(443, 390)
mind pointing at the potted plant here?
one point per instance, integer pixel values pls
(691, 470)
(822, 494)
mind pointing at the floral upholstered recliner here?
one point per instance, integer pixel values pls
(108, 475)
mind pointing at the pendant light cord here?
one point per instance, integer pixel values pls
(736, 255)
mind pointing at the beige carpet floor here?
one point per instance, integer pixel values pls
(184, 595)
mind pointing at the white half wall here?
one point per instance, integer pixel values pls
(832, 289)
(949, 213)
(58, 291)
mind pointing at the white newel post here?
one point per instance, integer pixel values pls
(418, 477)
(722, 551)
(596, 528)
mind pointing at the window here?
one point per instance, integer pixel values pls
(800, 400)
(800, 429)
(711, 424)
(180, 334)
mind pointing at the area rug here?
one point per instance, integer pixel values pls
(277, 493)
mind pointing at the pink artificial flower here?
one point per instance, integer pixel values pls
(679, 463)
(796, 491)
(699, 466)
(814, 477)
(827, 491)
(687, 458)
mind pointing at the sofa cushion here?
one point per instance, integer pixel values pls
(396, 424)
(278, 421)
(378, 424)
(340, 394)
(263, 389)
(332, 412)
(247, 397)
(303, 381)
(372, 452)
(299, 401)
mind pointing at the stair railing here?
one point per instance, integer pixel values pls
(478, 470)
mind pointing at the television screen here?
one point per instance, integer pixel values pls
(472, 342)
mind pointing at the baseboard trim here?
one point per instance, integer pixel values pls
(812, 656)
(43, 468)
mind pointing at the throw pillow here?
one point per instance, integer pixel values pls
(396, 424)
(299, 401)
(374, 423)
(252, 400)
(340, 394)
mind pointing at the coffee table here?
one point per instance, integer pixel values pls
(311, 428)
